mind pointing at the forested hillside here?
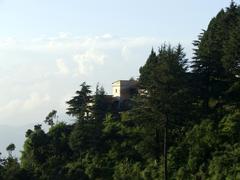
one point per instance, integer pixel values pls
(182, 123)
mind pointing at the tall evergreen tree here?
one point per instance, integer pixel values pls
(101, 104)
(231, 63)
(79, 105)
(163, 80)
(208, 66)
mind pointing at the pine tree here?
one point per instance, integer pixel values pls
(79, 105)
(163, 79)
(210, 73)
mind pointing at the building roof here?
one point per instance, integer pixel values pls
(123, 81)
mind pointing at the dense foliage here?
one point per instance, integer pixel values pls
(182, 123)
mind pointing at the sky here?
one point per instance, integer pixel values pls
(48, 48)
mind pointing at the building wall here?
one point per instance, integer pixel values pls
(121, 88)
(116, 89)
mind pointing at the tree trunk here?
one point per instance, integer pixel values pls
(158, 147)
(165, 150)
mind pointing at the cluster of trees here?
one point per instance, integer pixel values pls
(183, 124)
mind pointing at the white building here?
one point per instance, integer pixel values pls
(122, 89)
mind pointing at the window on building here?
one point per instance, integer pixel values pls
(115, 90)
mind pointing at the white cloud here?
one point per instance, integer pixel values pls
(33, 101)
(11, 106)
(86, 61)
(64, 35)
(107, 36)
(62, 68)
(125, 53)
(8, 42)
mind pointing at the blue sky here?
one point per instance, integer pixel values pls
(49, 47)
(31, 18)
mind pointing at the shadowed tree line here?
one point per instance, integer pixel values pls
(183, 123)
